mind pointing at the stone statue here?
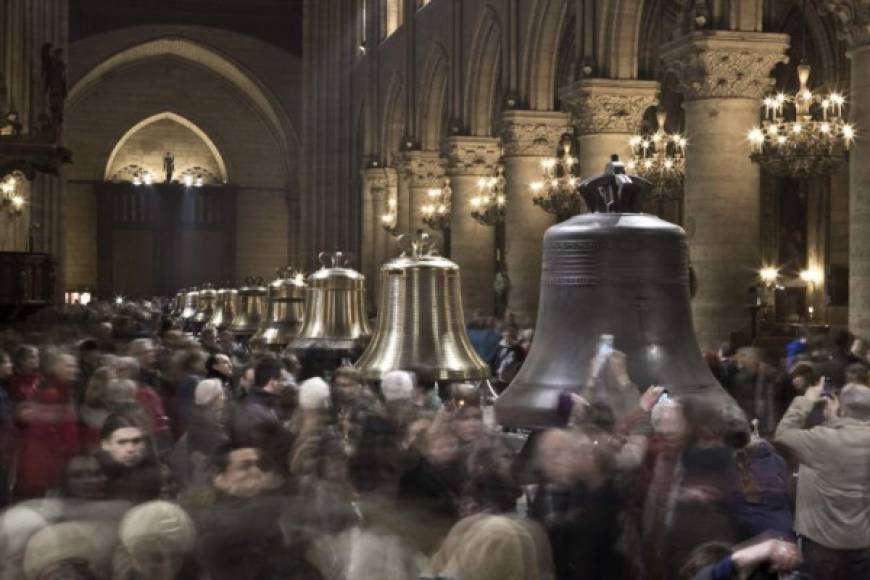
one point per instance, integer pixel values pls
(169, 166)
(54, 77)
(502, 287)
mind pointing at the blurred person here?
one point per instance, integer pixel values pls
(75, 550)
(208, 340)
(755, 389)
(89, 361)
(255, 420)
(219, 366)
(856, 373)
(226, 340)
(507, 360)
(146, 354)
(157, 541)
(436, 483)
(759, 558)
(727, 363)
(466, 421)
(483, 336)
(490, 547)
(354, 402)
(491, 486)
(206, 432)
(106, 395)
(246, 380)
(148, 398)
(104, 334)
(48, 426)
(832, 515)
(7, 429)
(858, 351)
(18, 525)
(525, 338)
(189, 366)
(127, 458)
(84, 478)
(25, 376)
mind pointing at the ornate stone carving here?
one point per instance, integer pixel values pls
(377, 180)
(725, 64)
(472, 155)
(532, 133)
(423, 168)
(852, 17)
(608, 106)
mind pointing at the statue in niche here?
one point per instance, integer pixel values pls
(169, 166)
(54, 77)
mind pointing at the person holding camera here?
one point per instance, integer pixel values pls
(833, 512)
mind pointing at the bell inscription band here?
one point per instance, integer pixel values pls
(613, 281)
(421, 326)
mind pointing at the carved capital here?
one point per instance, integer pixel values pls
(724, 64)
(472, 155)
(532, 133)
(376, 180)
(422, 168)
(609, 106)
(852, 18)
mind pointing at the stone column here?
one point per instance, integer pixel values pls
(421, 170)
(528, 137)
(379, 185)
(472, 244)
(723, 76)
(605, 114)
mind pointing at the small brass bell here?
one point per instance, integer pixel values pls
(421, 326)
(226, 305)
(252, 308)
(286, 309)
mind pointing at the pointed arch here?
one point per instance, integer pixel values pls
(484, 74)
(433, 92)
(170, 116)
(540, 56)
(393, 127)
(621, 25)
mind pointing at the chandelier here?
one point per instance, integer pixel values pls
(390, 219)
(813, 140)
(12, 201)
(660, 158)
(436, 213)
(557, 192)
(488, 205)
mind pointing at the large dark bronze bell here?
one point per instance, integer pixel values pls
(226, 305)
(335, 326)
(252, 308)
(286, 309)
(612, 280)
(420, 322)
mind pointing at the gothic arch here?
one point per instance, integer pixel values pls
(618, 43)
(434, 97)
(393, 116)
(202, 55)
(537, 81)
(167, 115)
(484, 74)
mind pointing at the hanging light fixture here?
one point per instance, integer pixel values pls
(488, 205)
(436, 213)
(557, 192)
(12, 201)
(659, 158)
(811, 138)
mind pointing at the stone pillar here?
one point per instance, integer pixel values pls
(421, 170)
(472, 244)
(528, 137)
(859, 194)
(723, 76)
(379, 185)
(605, 114)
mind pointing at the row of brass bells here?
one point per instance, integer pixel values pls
(225, 308)
(286, 309)
(335, 315)
(205, 303)
(421, 326)
(252, 308)
(612, 279)
(188, 310)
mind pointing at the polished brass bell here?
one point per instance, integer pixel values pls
(190, 304)
(226, 306)
(205, 304)
(252, 308)
(612, 280)
(286, 309)
(177, 304)
(335, 316)
(421, 326)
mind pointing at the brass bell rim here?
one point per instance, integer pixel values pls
(429, 374)
(335, 273)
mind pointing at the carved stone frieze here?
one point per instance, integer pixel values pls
(423, 168)
(376, 180)
(725, 64)
(532, 133)
(852, 17)
(472, 155)
(608, 106)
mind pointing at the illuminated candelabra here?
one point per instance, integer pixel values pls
(659, 158)
(557, 192)
(436, 213)
(488, 204)
(802, 134)
(12, 201)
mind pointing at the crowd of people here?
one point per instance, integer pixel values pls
(133, 450)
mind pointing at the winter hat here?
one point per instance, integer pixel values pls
(158, 520)
(207, 392)
(91, 543)
(314, 394)
(397, 385)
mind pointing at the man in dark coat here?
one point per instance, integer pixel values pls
(128, 460)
